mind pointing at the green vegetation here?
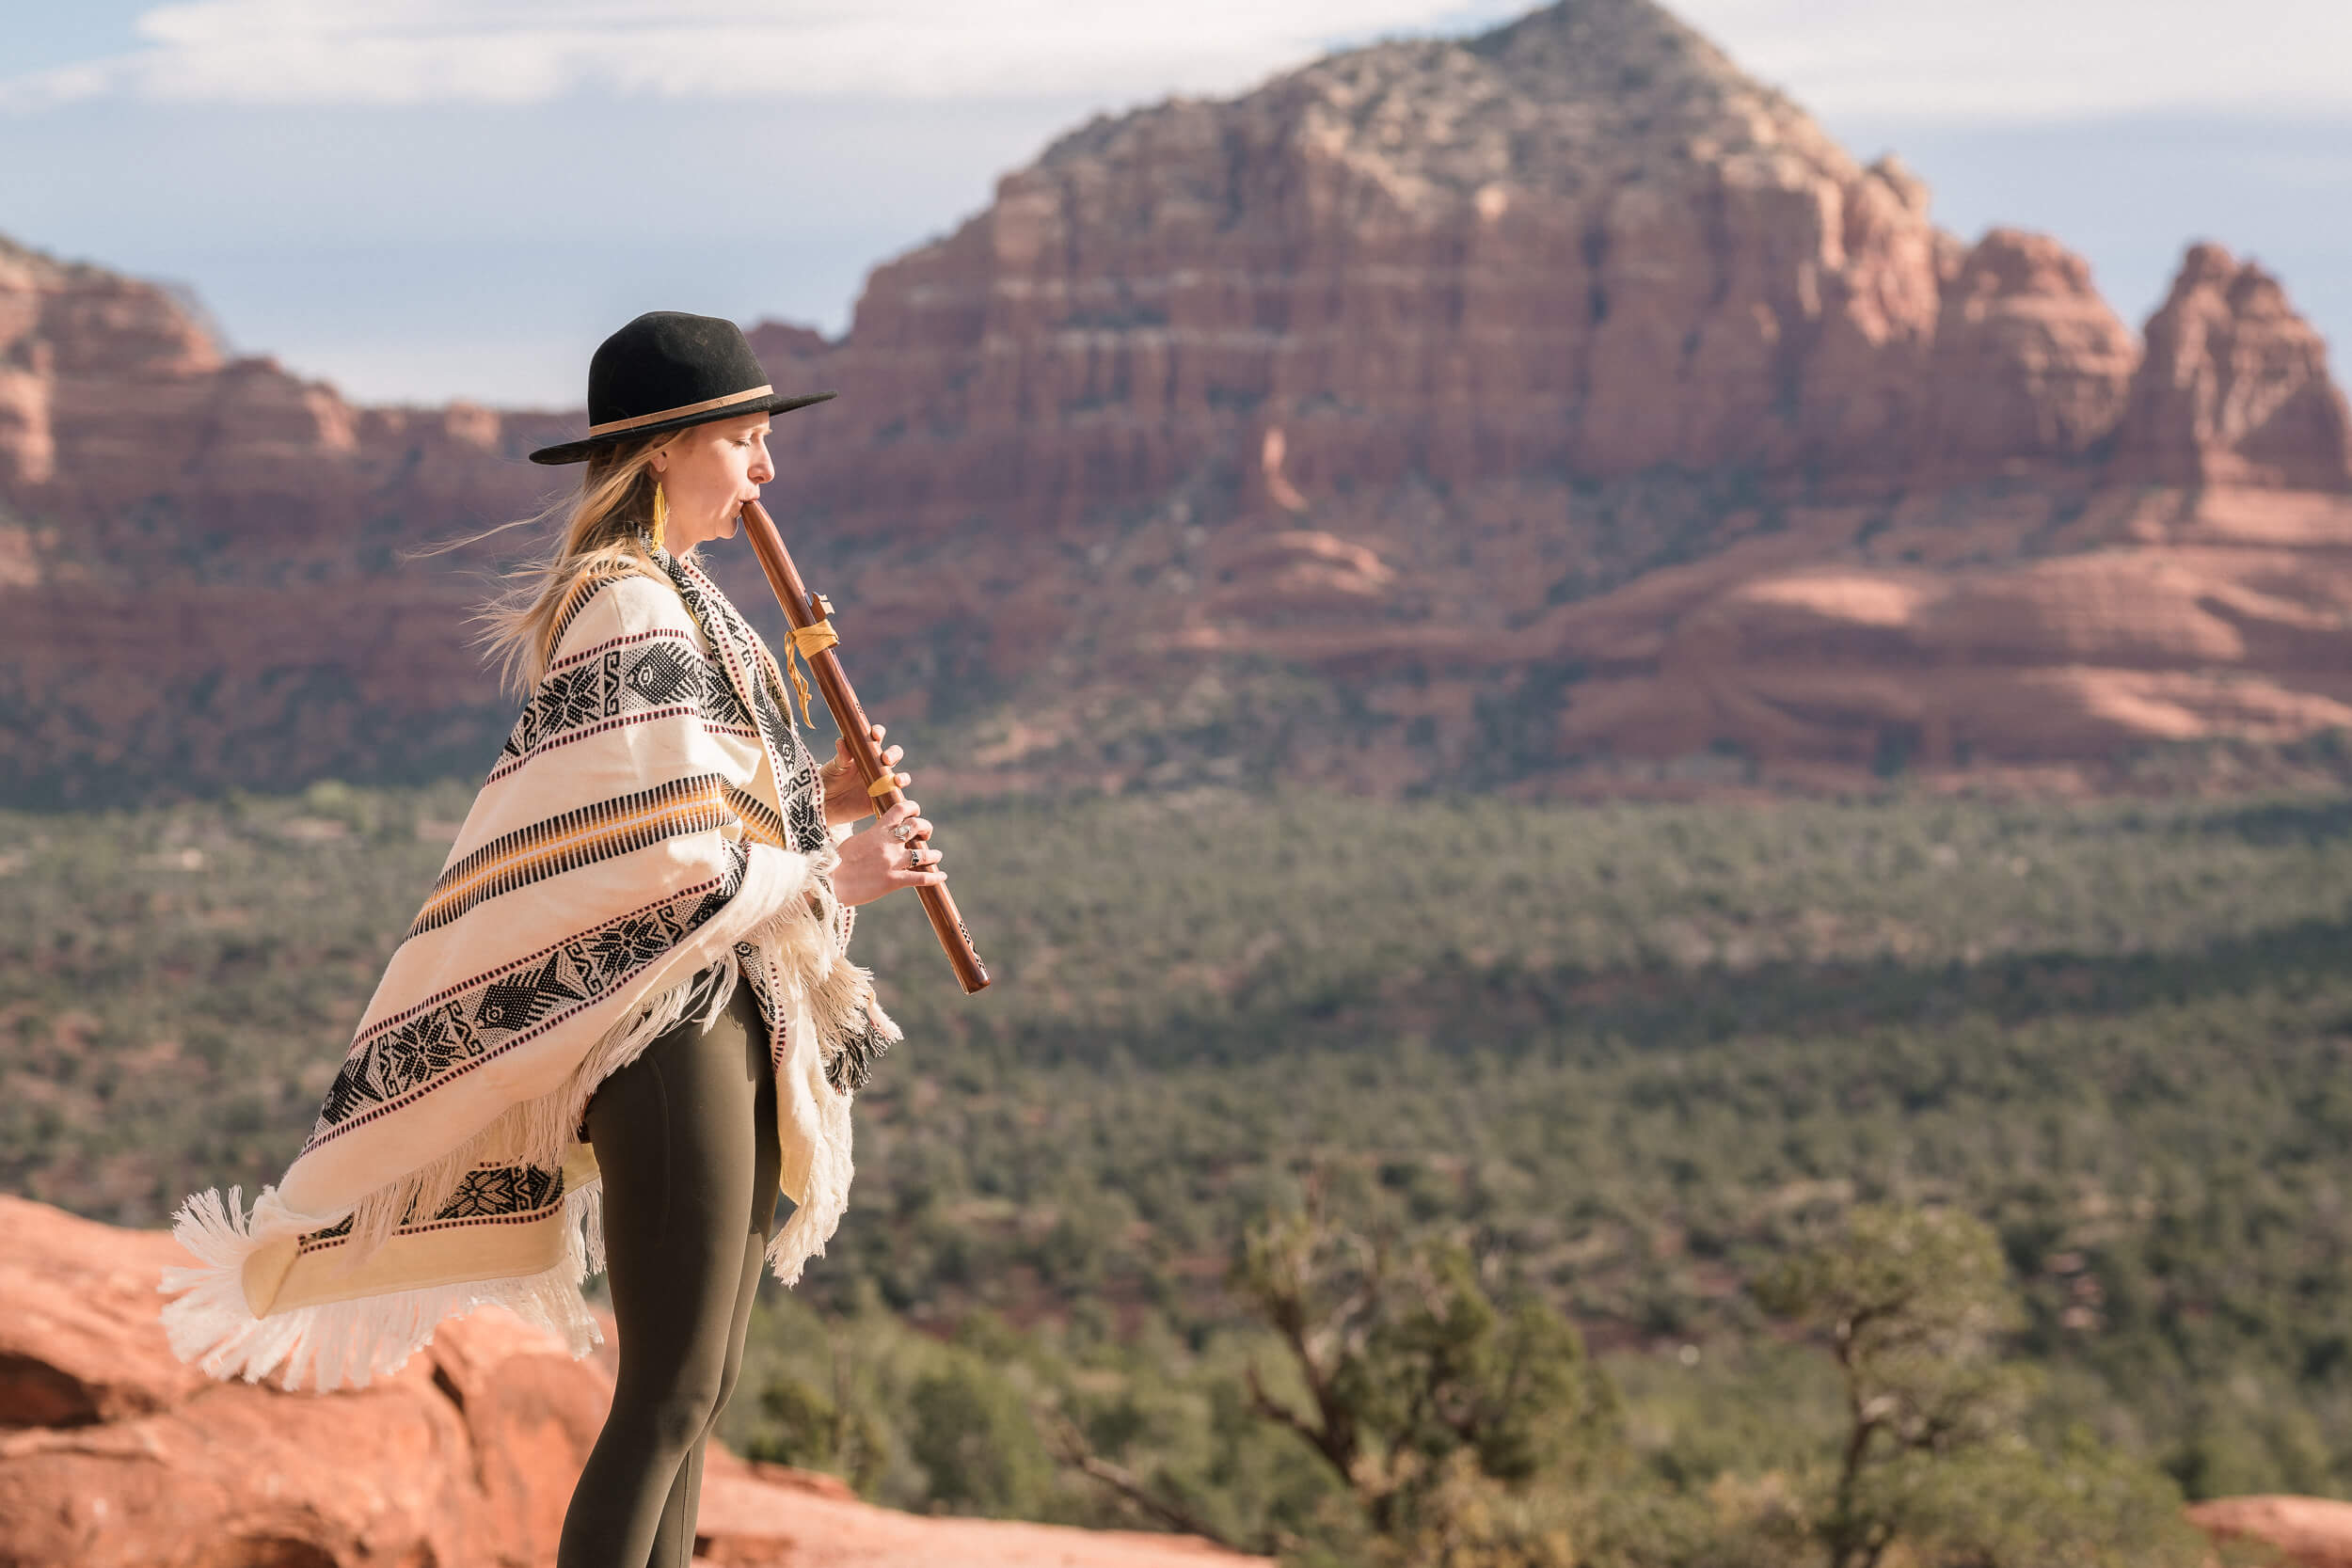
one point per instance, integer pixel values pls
(1622, 1063)
(1934, 1459)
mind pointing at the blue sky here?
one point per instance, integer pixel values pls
(421, 199)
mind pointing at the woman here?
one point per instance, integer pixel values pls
(624, 1019)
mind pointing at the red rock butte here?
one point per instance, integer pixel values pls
(1447, 410)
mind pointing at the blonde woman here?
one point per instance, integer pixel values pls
(625, 1019)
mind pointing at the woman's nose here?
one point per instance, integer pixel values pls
(763, 468)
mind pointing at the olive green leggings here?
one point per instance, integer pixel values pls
(685, 1136)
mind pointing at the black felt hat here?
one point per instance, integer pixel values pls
(665, 370)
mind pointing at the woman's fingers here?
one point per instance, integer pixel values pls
(878, 859)
(922, 859)
(841, 746)
(844, 783)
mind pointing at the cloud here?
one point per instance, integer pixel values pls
(1983, 60)
(2038, 60)
(410, 52)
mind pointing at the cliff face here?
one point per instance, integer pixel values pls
(1488, 388)
(2234, 390)
(200, 559)
(1585, 243)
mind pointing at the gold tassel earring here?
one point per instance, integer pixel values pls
(660, 515)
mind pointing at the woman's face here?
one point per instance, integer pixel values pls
(708, 472)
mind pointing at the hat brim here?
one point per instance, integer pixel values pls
(577, 451)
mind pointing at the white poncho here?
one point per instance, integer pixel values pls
(653, 815)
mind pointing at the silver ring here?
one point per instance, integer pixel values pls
(903, 831)
(916, 857)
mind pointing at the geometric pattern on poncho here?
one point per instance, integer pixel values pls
(801, 789)
(506, 1191)
(846, 1069)
(802, 793)
(407, 1054)
(662, 674)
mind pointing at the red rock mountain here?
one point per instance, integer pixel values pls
(1446, 411)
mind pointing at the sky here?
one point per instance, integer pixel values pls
(427, 200)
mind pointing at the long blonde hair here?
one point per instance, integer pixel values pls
(599, 539)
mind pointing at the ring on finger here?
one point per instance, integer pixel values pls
(917, 857)
(903, 831)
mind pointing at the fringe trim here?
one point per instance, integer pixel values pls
(808, 972)
(350, 1341)
(806, 961)
(826, 1199)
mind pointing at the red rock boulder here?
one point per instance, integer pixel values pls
(2308, 1533)
(115, 1455)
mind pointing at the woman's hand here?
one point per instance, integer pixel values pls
(846, 799)
(876, 862)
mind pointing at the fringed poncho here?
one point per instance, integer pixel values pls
(654, 815)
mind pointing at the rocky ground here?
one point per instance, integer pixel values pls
(115, 1455)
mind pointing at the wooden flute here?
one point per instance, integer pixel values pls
(806, 612)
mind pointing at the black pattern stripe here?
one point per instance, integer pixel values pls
(641, 677)
(476, 981)
(489, 1195)
(753, 675)
(761, 820)
(427, 1046)
(630, 640)
(582, 836)
(589, 732)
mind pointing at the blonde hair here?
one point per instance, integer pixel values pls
(599, 540)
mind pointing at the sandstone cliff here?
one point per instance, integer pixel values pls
(1445, 409)
(1582, 243)
(200, 559)
(115, 1455)
(2234, 388)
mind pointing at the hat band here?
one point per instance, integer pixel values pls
(612, 427)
